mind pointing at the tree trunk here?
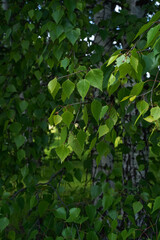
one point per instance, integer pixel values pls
(5, 5)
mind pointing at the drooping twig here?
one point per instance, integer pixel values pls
(38, 184)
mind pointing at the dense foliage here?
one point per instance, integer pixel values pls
(64, 103)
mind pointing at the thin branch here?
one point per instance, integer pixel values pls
(38, 184)
(59, 197)
(72, 104)
(71, 74)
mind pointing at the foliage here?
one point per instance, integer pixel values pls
(46, 172)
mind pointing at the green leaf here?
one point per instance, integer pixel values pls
(50, 119)
(113, 57)
(91, 212)
(83, 87)
(25, 44)
(107, 202)
(15, 127)
(68, 87)
(42, 207)
(112, 236)
(65, 62)
(96, 107)
(137, 88)
(60, 213)
(63, 135)
(103, 111)
(24, 171)
(85, 115)
(4, 222)
(95, 191)
(73, 35)
(62, 152)
(155, 113)
(73, 214)
(31, 13)
(92, 235)
(93, 142)
(152, 34)
(137, 206)
(142, 106)
(52, 85)
(111, 80)
(11, 88)
(58, 14)
(75, 145)
(103, 129)
(134, 62)
(78, 174)
(149, 119)
(124, 234)
(19, 140)
(156, 204)
(21, 154)
(143, 29)
(31, 26)
(67, 118)
(81, 136)
(56, 31)
(57, 119)
(69, 233)
(23, 105)
(122, 59)
(113, 116)
(8, 15)
(95, 78)
(58, 238)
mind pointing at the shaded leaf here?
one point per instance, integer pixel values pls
(137, 206)
(60, 213)
(4, 222)
(62, 152)
(96, 107)
(73, 35)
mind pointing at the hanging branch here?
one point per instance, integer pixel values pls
(39, 184)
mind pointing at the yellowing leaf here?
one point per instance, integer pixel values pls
(132, 98)
(149, 119)
(125, 98)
